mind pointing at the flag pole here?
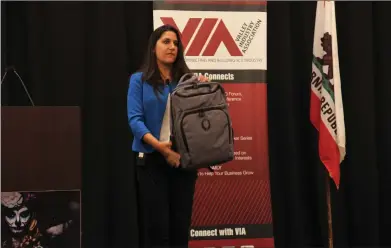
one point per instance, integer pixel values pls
(329, 213)
(326, 94)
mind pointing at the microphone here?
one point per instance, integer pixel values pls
(20, 80)
(168, 83)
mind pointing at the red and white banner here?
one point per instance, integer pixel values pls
(226, 41)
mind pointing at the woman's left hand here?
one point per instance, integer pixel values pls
(203, 79)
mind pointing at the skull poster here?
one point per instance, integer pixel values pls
(44, 219)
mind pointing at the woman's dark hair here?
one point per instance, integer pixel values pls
(150, 70)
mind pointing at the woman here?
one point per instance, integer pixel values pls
(165, 191)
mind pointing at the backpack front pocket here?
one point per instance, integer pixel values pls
(207, 135)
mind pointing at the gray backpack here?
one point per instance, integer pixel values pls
(201, 127)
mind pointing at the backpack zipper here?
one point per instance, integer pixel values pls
(200, 94)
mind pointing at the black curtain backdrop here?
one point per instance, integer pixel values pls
(81, 54)
(361, 208)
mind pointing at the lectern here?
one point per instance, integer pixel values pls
(41, 176)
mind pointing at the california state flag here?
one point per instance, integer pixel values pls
(327, 113)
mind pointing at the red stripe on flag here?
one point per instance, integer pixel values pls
(328, 148)
(329, 153)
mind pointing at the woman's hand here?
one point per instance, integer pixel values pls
(171, 157)
(164, 147)
(203, 79)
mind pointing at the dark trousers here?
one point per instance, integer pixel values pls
(165, 203)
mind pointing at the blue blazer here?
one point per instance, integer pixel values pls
(145, 110)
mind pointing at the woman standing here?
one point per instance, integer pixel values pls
(165, 191)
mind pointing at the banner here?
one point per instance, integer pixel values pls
(226, 41)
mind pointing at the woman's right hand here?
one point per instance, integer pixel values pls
(173, 158)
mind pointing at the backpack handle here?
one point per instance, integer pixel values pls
(184, 79)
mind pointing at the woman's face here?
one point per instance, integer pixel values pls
(166, 48)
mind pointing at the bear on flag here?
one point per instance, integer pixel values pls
(326, 108)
